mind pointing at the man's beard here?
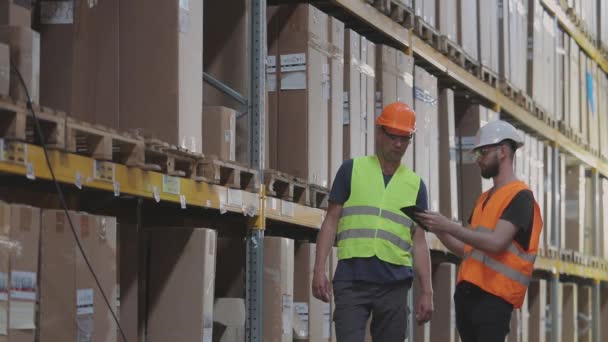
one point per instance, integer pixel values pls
(491, 170)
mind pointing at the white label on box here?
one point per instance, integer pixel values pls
(286, 312)
(84, 302)
(467, 142)
(22, 315)
(23, 285)
(301, 309)
(171, 185)
(287, 209)
(29, 171)
(271, 82)
(293, 80)
(57, 12)
(3, 286)
(182, 201)
(293, 62)
(326, 320)
(271, 63)
(235, 197)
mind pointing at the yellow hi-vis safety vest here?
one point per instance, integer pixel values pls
(372, 223)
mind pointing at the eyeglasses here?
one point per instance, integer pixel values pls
(404, 138)
(484, 151)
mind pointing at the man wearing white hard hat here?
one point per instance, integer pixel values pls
(499, 247)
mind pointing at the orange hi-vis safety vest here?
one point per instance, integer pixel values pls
(506, 274)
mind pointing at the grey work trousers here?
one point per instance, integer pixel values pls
(386, 303)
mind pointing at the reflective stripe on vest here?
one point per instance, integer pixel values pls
(373, 211)
(355, 233)
(530, 257)
(498, 267)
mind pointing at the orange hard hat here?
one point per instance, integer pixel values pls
(399, 118)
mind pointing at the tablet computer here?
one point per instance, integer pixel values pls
(410, 211)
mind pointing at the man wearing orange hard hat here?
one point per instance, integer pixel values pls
(379, 249)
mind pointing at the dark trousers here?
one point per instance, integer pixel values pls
(386, 303)
(480, 316)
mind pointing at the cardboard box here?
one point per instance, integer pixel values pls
(447, 22)
(16, 12)
(5, 69)
(488, 34)
(181, 284)
(574, 89)
(426, 142)
(574, 234)
(167, 37)
(426, 10)
(585, 313)
(132, 275)
(23, 275)
(25, 52)
(604, 309)
(448, 157)
(569, 326)
(84, 313)
(304, 90)
(548, 208)
(278, 289)
(230, 314)
(219, 124)
(368, 92)
(504, 56)
(313, 313)
(6, 250)
(333, 264)
(471, 182)
(79, 73)
(443, 323)
(468, 36)
(353, 128)
(336, 109)
(58, 276)
(537, 308)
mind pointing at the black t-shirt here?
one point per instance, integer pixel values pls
(369, 269)
(520, 212)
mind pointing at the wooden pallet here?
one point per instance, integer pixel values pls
(471, 64)
(426, 32)
(566, 255)
(226, 173)
(552, 253)
(103, 143)
(286, 187)
(577, 258)
(319, 197)
(17, 123)
(489, 76)
(395, 10)
(451, 50)
(170, 159)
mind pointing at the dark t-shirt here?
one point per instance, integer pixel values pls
(520, 212)
(369, 269)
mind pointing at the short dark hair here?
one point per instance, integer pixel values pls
(512, 145)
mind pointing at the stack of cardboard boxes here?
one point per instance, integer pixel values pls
(19, 45)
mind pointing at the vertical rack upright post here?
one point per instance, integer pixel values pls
(255, 236)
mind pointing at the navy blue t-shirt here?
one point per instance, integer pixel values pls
(370, 269)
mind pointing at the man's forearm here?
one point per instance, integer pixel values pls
(453, 244)
(325, 241)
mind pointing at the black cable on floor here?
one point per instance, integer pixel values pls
(62, 197)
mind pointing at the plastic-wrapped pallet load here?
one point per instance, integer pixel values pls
(447, 22)
(488, 34)
(426, 10)
(604, 206)
(593, 120)
(336, 109)
(560, 94)
(574, 111)
(584, 105)
(537, 306)
(368, 94)
(602, 100)
(548, 180)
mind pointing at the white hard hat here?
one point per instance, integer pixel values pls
(495, 132)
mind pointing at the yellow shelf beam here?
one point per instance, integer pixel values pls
(553, 7)
(28, 160)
